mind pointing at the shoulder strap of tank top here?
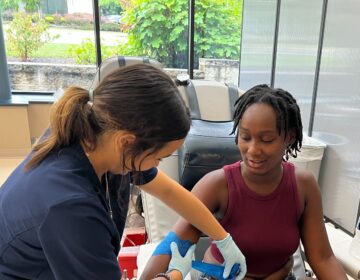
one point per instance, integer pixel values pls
(289, 168)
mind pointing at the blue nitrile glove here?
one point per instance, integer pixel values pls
(178, 262)
(232, 255)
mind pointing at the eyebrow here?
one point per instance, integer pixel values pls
(263, 131)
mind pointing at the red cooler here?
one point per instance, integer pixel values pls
(130, 245)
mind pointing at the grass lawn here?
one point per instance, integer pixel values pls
(49, 50)
(57, 50)
(53, 50)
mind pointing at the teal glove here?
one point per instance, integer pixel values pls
(182, 264)
(232, 255)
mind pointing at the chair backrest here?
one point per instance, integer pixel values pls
(213, 99)
(112, 63)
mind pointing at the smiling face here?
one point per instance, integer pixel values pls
(261, 147)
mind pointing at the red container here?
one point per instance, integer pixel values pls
(130, 246)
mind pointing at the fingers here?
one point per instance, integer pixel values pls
(241, 276)
(227, 271)
(242, 272)
(174, 249)
(190, 251)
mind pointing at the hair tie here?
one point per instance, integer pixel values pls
(91, 95)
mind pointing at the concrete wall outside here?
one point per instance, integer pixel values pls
(30, 76)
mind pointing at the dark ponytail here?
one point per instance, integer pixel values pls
(69, 121)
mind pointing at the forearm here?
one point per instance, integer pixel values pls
(155, 265)
(328, 269)
(186, 205)
(197, 214)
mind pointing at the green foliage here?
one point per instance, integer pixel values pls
(85, 53)
(110, 7)
(159, 29)
(54, 19)
(26, 34)
(13, 5)
(32, 6)
(49, 19)
(109, 26)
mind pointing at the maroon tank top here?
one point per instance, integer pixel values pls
(265, 228)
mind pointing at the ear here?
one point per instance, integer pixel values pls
(124, 138)
(291, 137)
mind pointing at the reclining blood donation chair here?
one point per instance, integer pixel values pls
(207, 147)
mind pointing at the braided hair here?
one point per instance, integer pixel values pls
(286, 109)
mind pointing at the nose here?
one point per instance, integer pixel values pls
(254, 148)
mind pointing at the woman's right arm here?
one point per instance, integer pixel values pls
(186, 204)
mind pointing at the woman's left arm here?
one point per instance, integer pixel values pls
(313, 233)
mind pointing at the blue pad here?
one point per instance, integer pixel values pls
(215, 270)
(164, 247)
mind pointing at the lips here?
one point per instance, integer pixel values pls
(255, 163)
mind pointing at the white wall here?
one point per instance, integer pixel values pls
(80, 6)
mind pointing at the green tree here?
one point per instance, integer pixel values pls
(32, 6)
(110, 7)
(159, 29)
(26, 34)
(13, 5)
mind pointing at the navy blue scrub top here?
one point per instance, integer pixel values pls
(55, 222)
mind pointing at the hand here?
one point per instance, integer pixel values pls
(232, 255)
(182, 264)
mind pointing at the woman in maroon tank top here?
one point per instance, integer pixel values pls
(266, 204)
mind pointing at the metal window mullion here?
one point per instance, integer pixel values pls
(191, 38)
(97, 31)
(5, 90)
(317, 68)
(275, 43)
(241, 39)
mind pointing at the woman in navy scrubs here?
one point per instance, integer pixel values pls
(61, 216)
